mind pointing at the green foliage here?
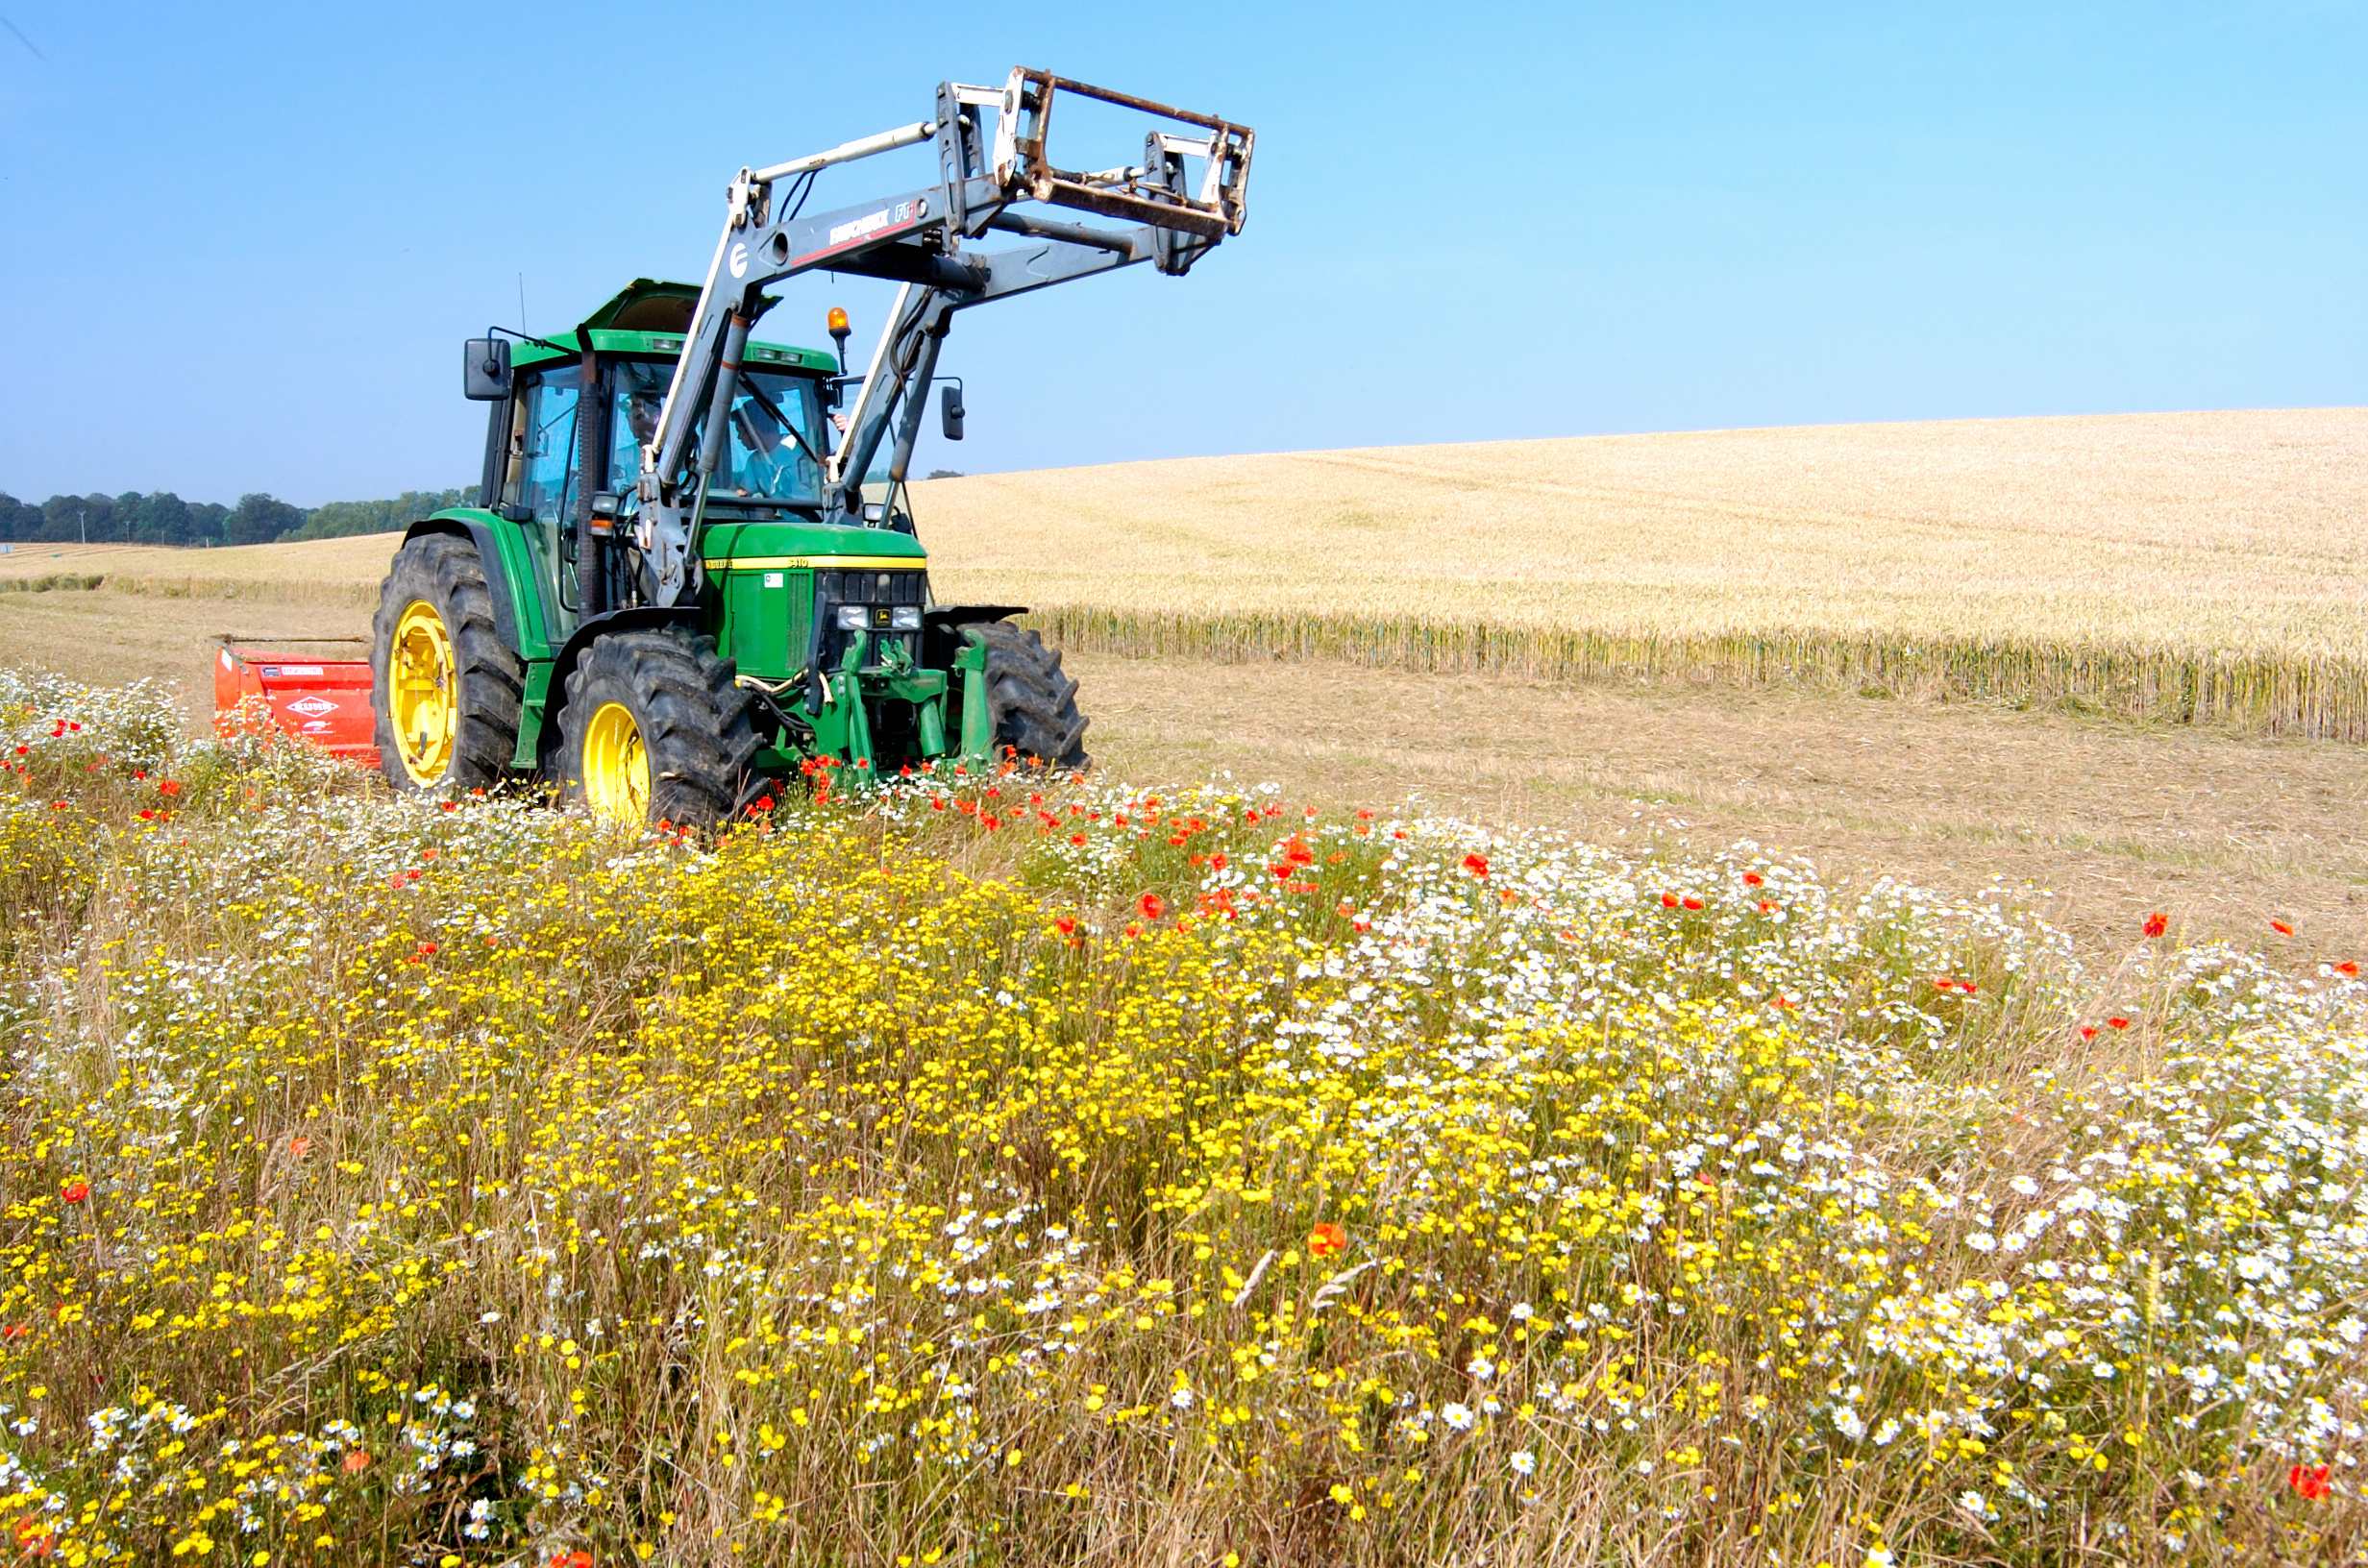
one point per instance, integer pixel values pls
(259, 519)
(163, 518)
(338, 519)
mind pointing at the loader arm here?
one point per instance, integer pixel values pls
(921, 238)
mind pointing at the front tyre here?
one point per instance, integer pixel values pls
(656, 730)
(445, 693)
(1033, 706)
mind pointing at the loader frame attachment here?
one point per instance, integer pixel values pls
(918, 237)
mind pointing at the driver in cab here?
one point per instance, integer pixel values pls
(768, 459)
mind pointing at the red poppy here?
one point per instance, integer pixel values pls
(1326, 1240)
(2347, 967)
(1767, 906)
(14, 1331)
(355, 1459)
(2117, 1022)
(2089, 1031)
(1476, 864)
(2156, 923)
(2308, 1480)
(1066, 925)
(170, 786)
(2281, 928)
(300, 1145)
(1668, 900)
(1692, 902)
(75, 1191)
(1151, 905)
(1218, 860)
(1752, 879)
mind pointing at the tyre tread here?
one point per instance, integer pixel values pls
(697, 725)
(445, 571)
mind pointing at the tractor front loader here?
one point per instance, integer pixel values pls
(676, 585)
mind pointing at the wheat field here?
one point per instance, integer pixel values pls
(2184, 567)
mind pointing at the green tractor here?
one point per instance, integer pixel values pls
(676, 587)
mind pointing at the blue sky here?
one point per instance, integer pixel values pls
(239, 245)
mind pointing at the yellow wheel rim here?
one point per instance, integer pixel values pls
(616, 768)
(423, 692)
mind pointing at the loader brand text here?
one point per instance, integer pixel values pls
(871, 223)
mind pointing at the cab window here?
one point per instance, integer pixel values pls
(543, 463)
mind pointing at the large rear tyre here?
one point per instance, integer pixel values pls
(1032, 704)
(445, 693)
(656, 730)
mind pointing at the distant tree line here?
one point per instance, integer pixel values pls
(162, 518)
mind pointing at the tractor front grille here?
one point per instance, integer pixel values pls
(847, 586)
(874, 589)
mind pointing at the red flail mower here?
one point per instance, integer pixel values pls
(323, 701)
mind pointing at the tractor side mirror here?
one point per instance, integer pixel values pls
(950, 413)
(485, 369)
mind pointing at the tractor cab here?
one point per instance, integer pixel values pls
(571, 414)
(779, 556)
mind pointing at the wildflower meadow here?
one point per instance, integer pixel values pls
(1003, 1170)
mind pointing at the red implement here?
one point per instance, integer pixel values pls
(326, 702)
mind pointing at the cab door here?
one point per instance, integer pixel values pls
(545, 471)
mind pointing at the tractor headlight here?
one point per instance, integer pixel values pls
(854, 617)
(905, 618)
